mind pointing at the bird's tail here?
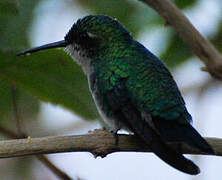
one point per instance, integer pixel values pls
(166, 153)
(176, 132)
(141, 127)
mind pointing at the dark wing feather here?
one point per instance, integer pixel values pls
(176, 132)
(126, 112)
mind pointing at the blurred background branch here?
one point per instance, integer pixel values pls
(198, 44)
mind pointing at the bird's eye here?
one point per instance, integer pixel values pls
(91, 35)
(84, 35)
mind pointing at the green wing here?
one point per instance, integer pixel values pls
(150, 86)
(153, 87)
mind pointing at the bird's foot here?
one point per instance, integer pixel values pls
(115, 135)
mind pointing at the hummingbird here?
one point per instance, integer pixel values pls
(132, 88)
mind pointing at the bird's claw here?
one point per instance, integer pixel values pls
(116, 138)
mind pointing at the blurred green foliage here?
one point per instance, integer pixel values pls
(217, 39)
(15, 18)
(53, 77)
(185, 3)
(176, 52)
(28, 104)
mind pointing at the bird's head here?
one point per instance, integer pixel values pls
(88, 36)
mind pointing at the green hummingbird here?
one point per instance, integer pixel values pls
(132, 88)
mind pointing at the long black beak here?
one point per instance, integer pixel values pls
(57, 44)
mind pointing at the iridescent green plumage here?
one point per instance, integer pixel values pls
(132, 88)
(147, 80)
(149, 86)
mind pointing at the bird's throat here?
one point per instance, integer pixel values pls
(80, 56)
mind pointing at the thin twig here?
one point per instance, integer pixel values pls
(53, 168)
(14, 93)
(9, 133)
(198, 44)
(99, 143)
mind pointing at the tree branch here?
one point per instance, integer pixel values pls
(198, 44)
(98, 142)
(59, 173)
